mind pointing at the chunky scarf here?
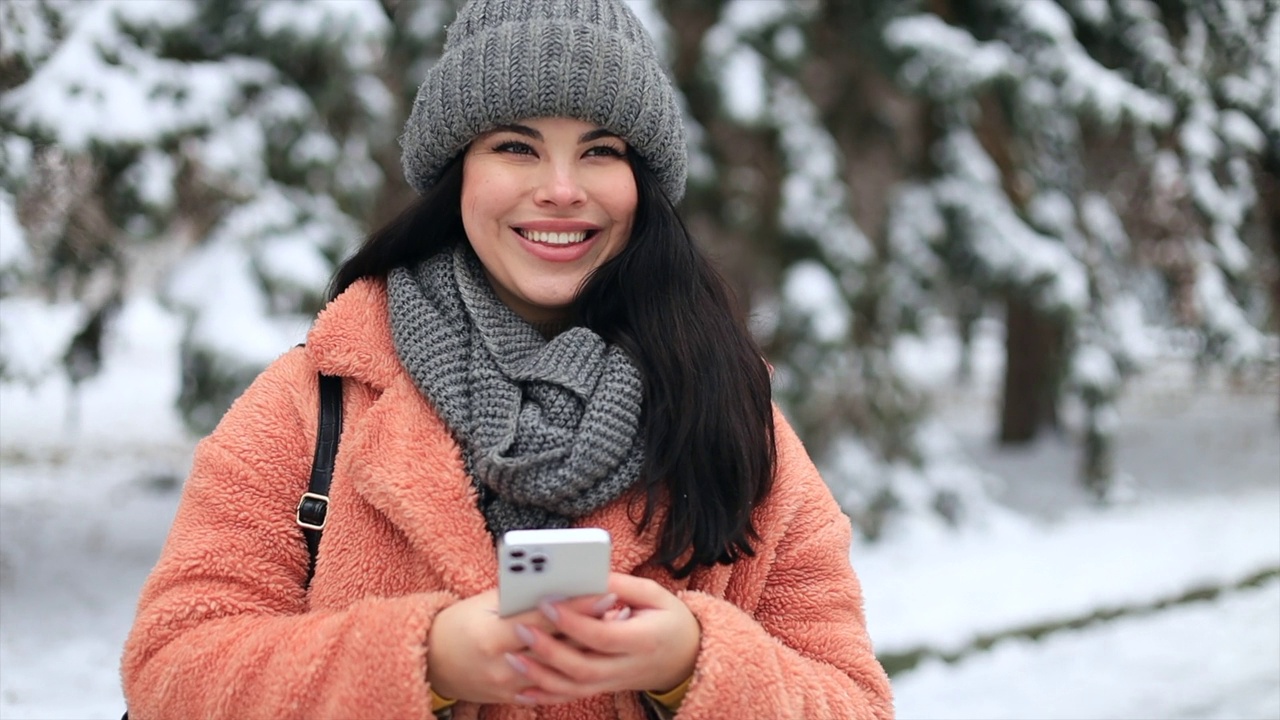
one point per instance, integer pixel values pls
(549, 428)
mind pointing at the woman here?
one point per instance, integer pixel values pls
(535, 343)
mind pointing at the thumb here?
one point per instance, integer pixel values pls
(638, 592)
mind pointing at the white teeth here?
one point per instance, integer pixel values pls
(555, 238)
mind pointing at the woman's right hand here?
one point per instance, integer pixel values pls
(469, 645)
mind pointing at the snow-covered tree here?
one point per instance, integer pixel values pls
(1066, 130)
(799, 138)
(874, 177)
(223, 155)
(870, 170)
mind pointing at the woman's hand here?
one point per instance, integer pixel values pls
(467, 648)
(654, 647)
(472, 653)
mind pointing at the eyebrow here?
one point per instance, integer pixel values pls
(529, 132)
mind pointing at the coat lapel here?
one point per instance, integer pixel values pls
(411, 470)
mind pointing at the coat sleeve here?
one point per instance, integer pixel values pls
(804, 651)
(223, 628)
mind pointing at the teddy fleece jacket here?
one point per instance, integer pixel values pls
(226, 626)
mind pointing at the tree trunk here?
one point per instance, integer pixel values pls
(1032, 358)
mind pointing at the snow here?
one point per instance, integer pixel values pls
(811, 291)
(947, 60)
(1220, 314)
(13, 239)
(1203, 660)
(316, 19)
(81, 96)
(1003, 243)
(1093, 367)
(1020, 576)
(34, 335)
(813, 191)
(1207, 515)
(738, 67)
(153, 178)
(129, 405)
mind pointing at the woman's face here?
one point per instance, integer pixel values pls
(546, 201)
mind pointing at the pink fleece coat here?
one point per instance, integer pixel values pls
(225, 628)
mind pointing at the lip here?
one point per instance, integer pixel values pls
(557, 253)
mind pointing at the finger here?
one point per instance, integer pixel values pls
(560, 667)
(548, 680)
(593, 605)
(530, 619)
(589, 632)
(639, 592)
(617, 614)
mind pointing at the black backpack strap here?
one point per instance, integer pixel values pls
(313, 508)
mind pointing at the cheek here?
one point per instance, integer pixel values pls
(477, 206)
(622, 205)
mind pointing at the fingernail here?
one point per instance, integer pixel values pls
(516, 663)
(604, 604)
(525, 635)
(524, 699)
(549, 610)
(624, 613)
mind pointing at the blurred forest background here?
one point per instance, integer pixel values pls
(1098, 179)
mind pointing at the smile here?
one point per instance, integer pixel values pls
(556, 238)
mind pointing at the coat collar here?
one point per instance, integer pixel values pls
(351, 336)
(403, 460)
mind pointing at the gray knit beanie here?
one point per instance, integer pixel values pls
(507, 60)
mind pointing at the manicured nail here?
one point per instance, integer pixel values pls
(624, 613)
(526, 635)
(604, 604)
(549, 610)
(516, 663)
(524, 699)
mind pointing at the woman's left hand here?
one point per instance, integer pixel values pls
(653, 648)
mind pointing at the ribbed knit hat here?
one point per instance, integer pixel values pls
(507, 60)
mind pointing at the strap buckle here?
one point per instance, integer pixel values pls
(313, 510)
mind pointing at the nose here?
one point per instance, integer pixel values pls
(558, 185)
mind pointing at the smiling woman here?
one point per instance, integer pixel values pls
(535, 343)
(545, 202)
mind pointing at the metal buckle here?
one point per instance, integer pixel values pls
(317, 513)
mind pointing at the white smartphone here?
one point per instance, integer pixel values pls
(533, 564)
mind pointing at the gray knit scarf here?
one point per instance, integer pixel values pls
(549, 428)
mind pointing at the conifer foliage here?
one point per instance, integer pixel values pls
(878, 180)
(222, 155)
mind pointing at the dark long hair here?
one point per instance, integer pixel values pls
(707, 421)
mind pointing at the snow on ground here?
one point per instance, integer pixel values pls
(1218, 660)
(950, 595)
(81, 523)
(73, 563)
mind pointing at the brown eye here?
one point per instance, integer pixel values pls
(604, 151)
(514, 147)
